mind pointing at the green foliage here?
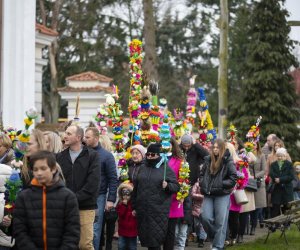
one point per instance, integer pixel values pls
(266, 88)
(274, 241)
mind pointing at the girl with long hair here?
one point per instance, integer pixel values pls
(218, 178)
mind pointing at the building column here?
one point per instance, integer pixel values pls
(18, 60)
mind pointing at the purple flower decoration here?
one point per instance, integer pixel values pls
(122, 162)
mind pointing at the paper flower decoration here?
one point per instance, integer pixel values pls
(23, 138)
(207, 133)
(165, 135)
(191, 105)
(13, 187)
(253, 136)
(183, 181)
(231, 133)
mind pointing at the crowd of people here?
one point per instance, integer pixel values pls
(72, 196)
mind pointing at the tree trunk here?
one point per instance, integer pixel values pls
(150, 60)
(51, 104)
(222, 73)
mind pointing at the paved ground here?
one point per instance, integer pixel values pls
(193, 246)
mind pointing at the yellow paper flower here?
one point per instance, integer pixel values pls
(23, 138)
(28, 121)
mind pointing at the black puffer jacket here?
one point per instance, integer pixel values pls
(83, 176)
(195, 157)
(152, 203)
(223, 181)
(133, 169)
(56, 222)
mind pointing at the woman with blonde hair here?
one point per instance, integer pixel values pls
(36, 143)
(105, 142)
(6, 151)
(53, 142)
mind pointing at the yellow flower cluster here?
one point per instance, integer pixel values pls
(28, 122)
(183, 181)
(24, 137)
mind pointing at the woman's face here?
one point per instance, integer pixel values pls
(47, 141)
(33, 146)
(136, 155)
(216, 149)
(281, 157)
(276, 146)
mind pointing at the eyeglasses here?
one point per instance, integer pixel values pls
(151, 154)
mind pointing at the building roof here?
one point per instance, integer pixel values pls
(44, 30)
(91, 89)
(89, 76)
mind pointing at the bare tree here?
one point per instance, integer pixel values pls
(223, 69)
(150, 60)
(51, 101)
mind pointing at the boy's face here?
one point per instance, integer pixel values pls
(42, 172)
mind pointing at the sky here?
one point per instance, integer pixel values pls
(293, 6)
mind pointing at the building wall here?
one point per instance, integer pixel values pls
(18, 60)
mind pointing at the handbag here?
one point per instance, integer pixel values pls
(240, 197)
(252, 185)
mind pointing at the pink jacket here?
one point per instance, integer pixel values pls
(197, 199)
(176, 210)
(233, 205)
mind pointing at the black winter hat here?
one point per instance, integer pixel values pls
(154, 148)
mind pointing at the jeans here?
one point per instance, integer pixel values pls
(202, 235)
(101, 200)
(215, 210)
(127, 243)
(180, 235)
(4, 248)
(260, 215)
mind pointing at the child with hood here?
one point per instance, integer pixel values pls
(127, 223)
(46, 215)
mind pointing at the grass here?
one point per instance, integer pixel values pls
(274, 242)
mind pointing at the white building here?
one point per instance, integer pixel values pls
(21, 60)
(91, 87)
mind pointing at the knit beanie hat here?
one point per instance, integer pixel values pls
(186, 139)
(140, 148)
(154, 148)
(281, 151)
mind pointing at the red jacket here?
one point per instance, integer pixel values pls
(127, 222)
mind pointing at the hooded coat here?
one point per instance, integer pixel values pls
(46, 218)
(152, 203)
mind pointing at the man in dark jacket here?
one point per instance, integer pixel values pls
(108, 181)
(81, 166)
(194, 154)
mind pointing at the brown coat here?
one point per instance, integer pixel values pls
(260, 168)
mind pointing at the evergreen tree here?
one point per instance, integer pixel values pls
(267, 89)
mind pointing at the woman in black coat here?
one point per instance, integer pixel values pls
(282, 175)
(217, 179)
(151, 198)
